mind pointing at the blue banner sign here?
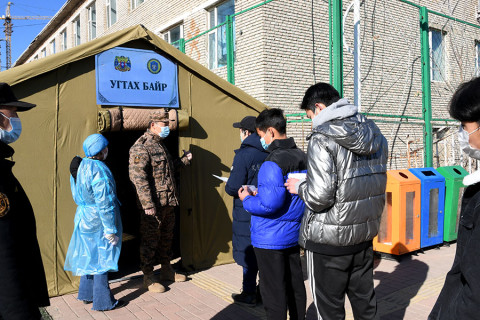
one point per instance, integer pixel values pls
(134, 77)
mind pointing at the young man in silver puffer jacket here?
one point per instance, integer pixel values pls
(344, 194)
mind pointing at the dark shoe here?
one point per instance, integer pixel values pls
(86, 302)
(120, 304)
(245, 299)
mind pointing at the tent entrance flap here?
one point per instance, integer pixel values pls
(118, 155)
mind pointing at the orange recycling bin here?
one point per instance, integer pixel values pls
(399, 231)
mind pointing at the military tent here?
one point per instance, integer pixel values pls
(63, 87)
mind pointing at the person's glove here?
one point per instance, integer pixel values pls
(112, 238)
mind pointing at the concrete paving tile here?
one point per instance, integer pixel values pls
(142, 315)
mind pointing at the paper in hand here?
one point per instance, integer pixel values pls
(224, 179)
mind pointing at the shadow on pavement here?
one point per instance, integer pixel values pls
(397, 288)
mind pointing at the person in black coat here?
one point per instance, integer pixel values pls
(246, 163)
(23, 287)
(460, 295)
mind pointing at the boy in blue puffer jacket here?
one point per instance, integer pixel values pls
(276, 217)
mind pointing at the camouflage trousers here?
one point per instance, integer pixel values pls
(156, 235)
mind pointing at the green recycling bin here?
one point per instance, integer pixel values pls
(453, 199)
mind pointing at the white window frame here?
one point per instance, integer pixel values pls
(43, 52)
(63, 40)
(136, 3)
(215, 33)
(53, 49)
(109, 10)
(167, 34)
(77, 38)
(92, 21)
(477, 58)
(443, 72)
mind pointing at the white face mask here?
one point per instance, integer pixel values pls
(12, 135)
(465, 145)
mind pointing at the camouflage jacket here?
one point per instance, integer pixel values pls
(151, 170)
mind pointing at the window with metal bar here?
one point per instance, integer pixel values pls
(63, 40)
(76, 32)
(217, 39)
(92, 22)
(174, 34)
(111, 8)
(136, 3)
(437, 55)
(53, 49)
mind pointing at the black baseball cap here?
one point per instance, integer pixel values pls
(7, 98)
(247, 123)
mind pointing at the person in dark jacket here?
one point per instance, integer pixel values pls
(346, 153)
(246, 163)
(23, 287)
(275, 222)
(460, 295)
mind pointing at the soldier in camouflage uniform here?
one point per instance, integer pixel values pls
(151, 170)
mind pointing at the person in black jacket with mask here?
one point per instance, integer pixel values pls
(23, 287)
(460, 296)
(246, 163)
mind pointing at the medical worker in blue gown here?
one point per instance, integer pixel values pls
(96, 240)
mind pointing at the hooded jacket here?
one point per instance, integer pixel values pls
(246, 165)
(276, 214)
(344, 191)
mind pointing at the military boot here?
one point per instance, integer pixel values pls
(168, 274)
(151, 284)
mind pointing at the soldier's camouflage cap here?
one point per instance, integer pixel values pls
(160, 116)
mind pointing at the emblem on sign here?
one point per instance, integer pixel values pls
(154, 66)
(122, 63)
(4, 205)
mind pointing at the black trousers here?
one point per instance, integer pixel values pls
(331, 277)
(281, 283)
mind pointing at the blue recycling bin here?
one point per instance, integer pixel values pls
(432, 207)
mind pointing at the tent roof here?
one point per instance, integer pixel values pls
(38, 67)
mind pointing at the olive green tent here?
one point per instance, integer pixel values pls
(63, 87)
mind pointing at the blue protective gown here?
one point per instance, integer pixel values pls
(98, 213)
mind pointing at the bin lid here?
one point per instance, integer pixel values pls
(427, 174)
(453, 172)
(403, 177)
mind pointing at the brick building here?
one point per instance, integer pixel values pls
(282, 47)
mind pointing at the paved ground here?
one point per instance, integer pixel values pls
(406, 289)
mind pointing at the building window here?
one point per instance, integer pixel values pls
(111, 12)
(173, 35)
(92, 22)
(43, 52)
(437, 55)
(217, 39)
(477, 58)
(76, 32)
(63, 40)
(136, 3)
(52, 47)
(36, 57)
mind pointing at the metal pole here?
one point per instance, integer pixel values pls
(181, 45)
(230, 50)
(426, 89)
(337, 44)
(356, 56)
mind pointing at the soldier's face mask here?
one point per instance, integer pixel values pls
(164, 132)
(12, 135)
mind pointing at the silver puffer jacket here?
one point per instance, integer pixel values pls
(344, 191)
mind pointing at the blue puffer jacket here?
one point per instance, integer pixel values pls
(276, 214)
(246, 165)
